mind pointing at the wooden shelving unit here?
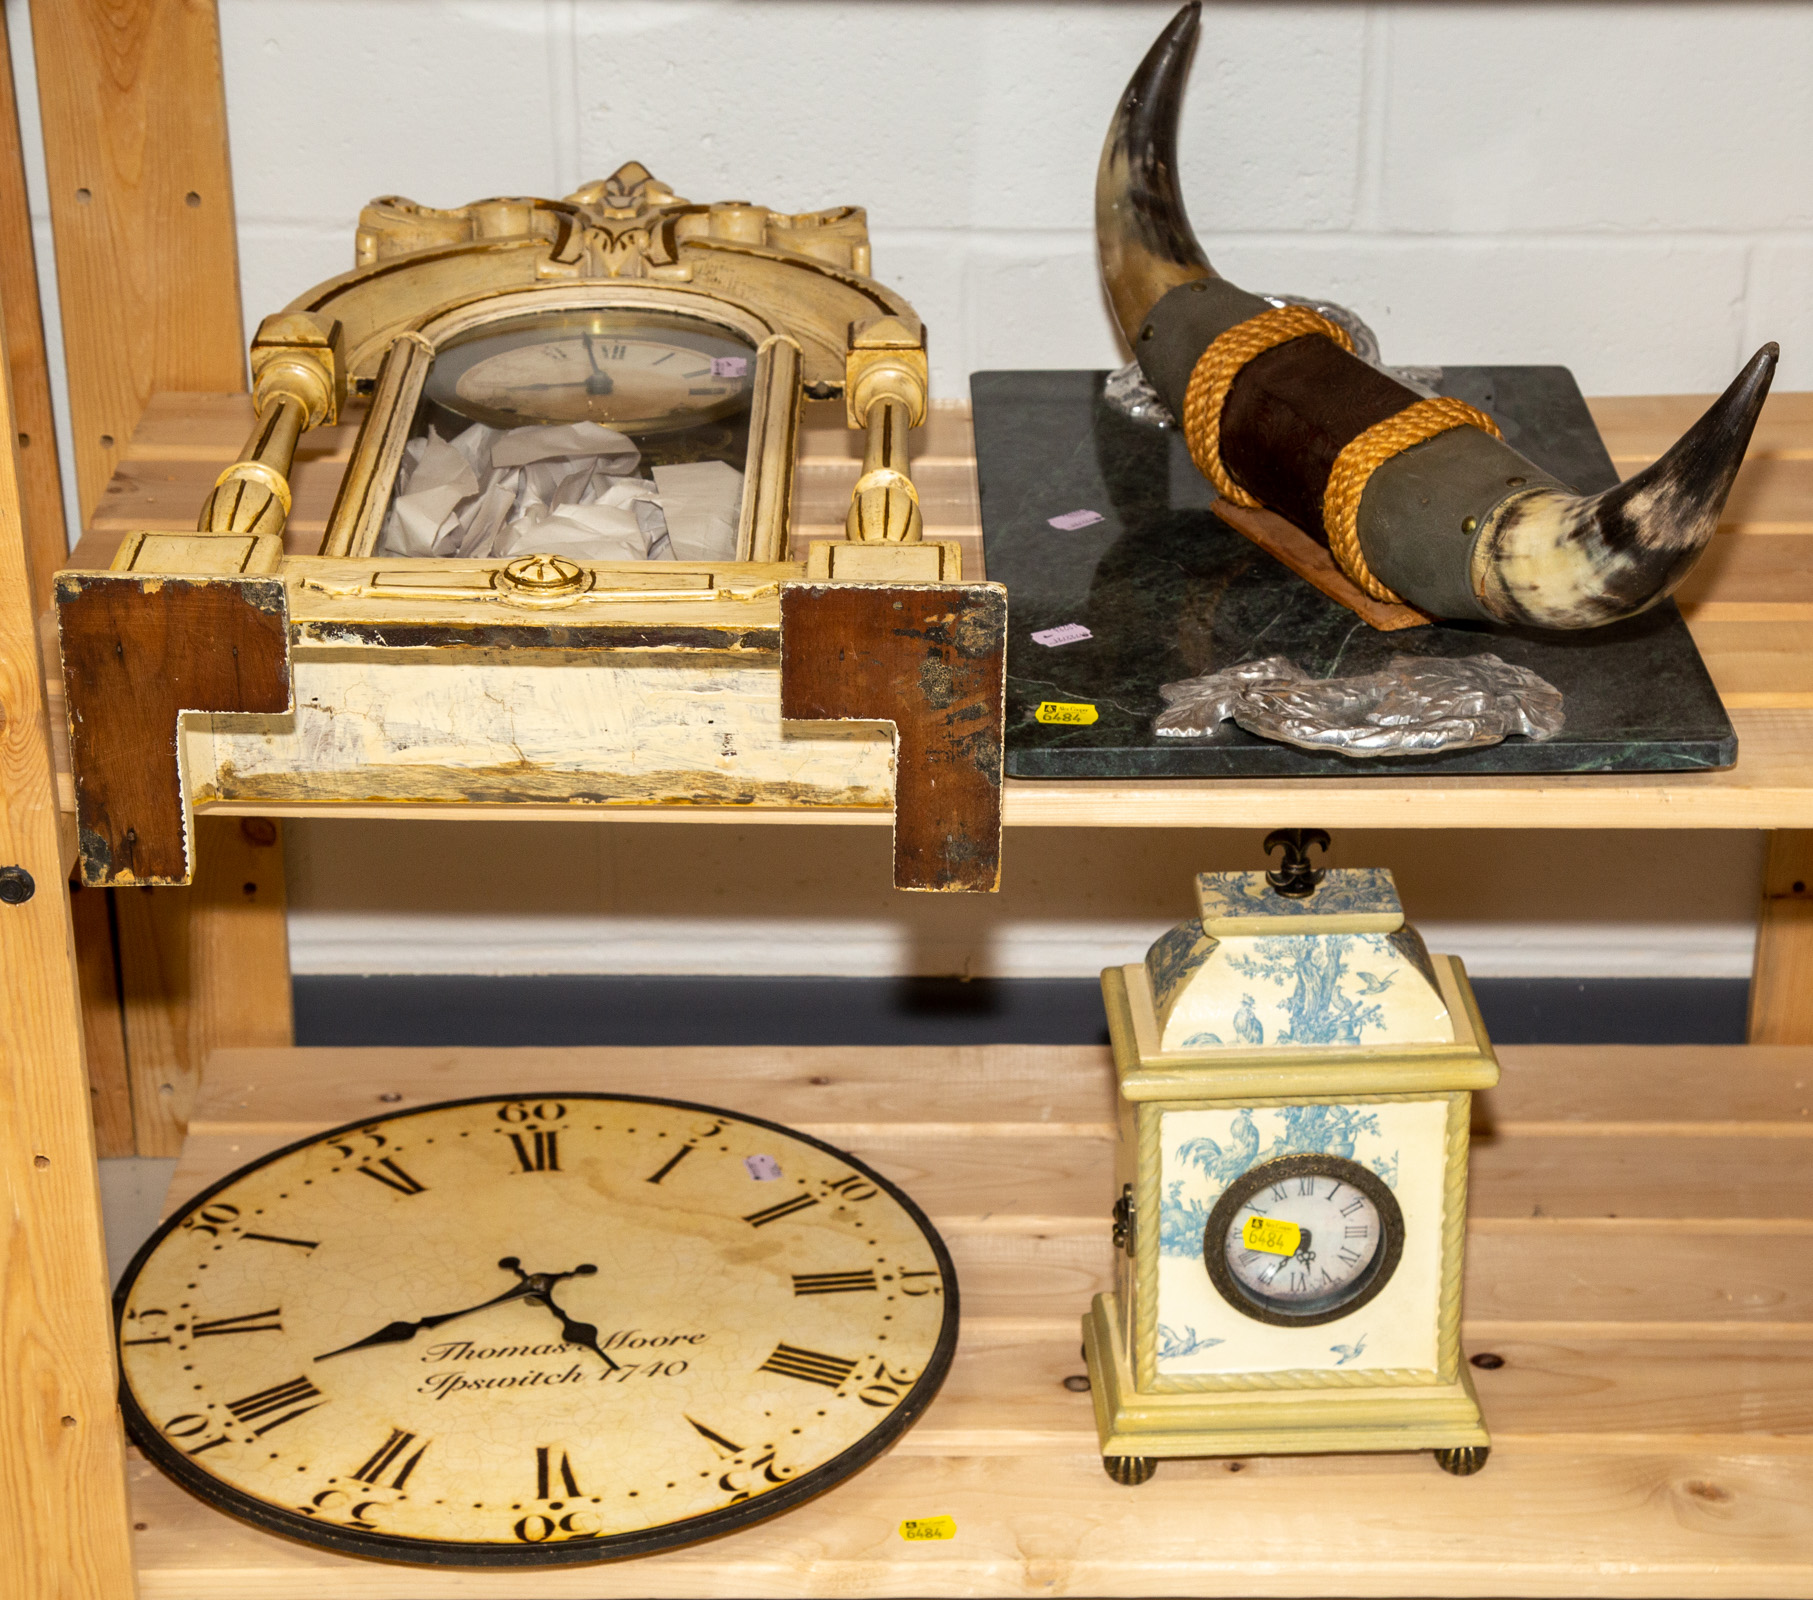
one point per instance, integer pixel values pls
(1640, 1226)
(1639, 1236)
(1637, 1258)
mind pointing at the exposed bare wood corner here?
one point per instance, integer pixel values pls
(930, 660)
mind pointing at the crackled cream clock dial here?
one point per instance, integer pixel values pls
(1295, 1076)
(538, 1329)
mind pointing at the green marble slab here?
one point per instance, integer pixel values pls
(1168, 591)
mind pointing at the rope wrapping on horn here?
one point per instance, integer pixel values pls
(1213, 376)
(1362, 456)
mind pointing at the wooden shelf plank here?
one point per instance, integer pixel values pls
(1770, 787)
(1750, 605)
(1652, 1419)
(1536, 1522)
(1638, 428)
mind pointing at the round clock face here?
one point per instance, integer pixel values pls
(1303, 1239)
(637, 371)
(543, 1329)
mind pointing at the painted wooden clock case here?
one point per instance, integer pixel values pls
(1308, 1059)
(244, 663)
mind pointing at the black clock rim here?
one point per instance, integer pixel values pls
(1379, 1273)
(572, 1552)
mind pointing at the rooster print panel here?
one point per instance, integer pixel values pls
(1197, 1334)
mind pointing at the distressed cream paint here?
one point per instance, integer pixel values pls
(618, 727)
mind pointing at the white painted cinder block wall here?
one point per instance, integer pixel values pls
(1624, 188)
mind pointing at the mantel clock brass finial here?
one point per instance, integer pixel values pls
(1294, 877)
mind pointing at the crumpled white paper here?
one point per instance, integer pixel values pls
(568, 489)
(1417, 705)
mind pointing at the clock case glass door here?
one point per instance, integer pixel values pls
(576, 372)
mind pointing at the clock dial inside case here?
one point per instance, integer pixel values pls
(548, 1329)
(638, 371)
(1304, 1239)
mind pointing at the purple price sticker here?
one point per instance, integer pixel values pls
(1069, 633)
(729, 366)
(764, 1169)
(1070, 521)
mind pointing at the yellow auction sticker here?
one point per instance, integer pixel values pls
(929, 1528)
(1065, 711)
(1272, 1235)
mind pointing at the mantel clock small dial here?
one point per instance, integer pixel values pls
(533, 1330)
(1303, 1240)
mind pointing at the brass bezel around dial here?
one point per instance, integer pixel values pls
(1291, 1169)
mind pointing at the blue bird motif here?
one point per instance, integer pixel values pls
(1371, 983)
(1172, 1344)
(1247, 1024)
(1221, 1166)
(1344, 1353)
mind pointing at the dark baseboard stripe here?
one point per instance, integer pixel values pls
(401, 1009)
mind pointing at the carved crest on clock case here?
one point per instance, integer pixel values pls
(629, 225)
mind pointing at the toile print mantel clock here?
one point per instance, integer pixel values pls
(1295, 1077)
(533, 1330)
(564, 565)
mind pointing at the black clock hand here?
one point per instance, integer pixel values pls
(577, 1332)
(402, 1332)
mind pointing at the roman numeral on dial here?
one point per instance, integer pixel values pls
(809, 1366)
(716, 1440)
(805, 1283)
(672, 1161)
(279, 1397)
(692, 1142)
(392, 1176)
(244, 1322)
(386, 1456)
(142, 1321)
(538, 1152)
(546, 1472)
(785, 1208)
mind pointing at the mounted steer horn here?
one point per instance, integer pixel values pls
(1420, 500)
